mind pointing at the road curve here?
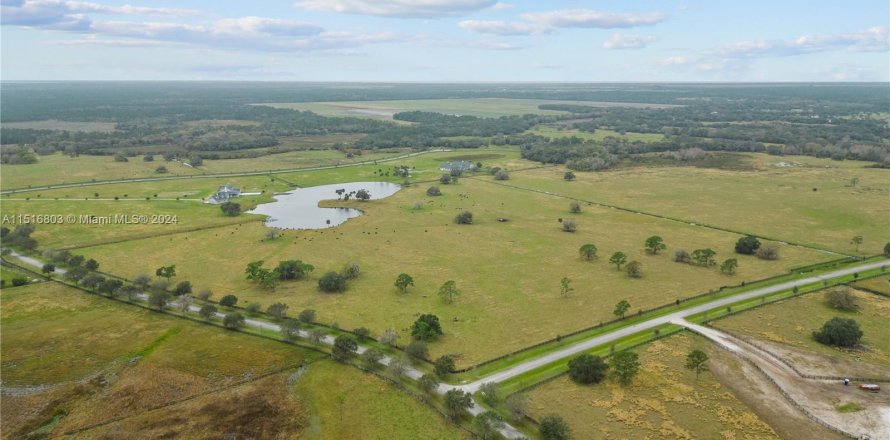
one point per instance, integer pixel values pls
(509, 431)
(655, 322)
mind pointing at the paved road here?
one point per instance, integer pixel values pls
(214, 175)
(509, 431)
(652, 323)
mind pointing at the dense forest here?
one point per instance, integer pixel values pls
(840, 121)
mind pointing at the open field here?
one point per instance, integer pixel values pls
(664, 401)
(878, 284)
(59, 168)
(598, 135)
(776, 202)
(791, 323)
(63, 125)
(483, 258)
(484, 107)
(106, 361)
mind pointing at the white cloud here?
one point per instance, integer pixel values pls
(589, 18)
(70, 15)
(876, 39)
(501, 6)
(398, 8)
(243, 33)
(538, 23)
(628, 41)
(503, 27)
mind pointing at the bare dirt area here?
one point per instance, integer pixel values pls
(258, 409)
(829, 402)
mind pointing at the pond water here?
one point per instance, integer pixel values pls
(298, 209)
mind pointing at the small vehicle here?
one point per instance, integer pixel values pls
(870, 387)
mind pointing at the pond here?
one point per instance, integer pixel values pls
(298, 209)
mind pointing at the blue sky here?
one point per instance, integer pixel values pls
(445, 40)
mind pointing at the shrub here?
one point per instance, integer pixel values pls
(233, 321)
(681, 256)
(586, 369)
(351, 270)
(207, 311)
(501, 175)
(445, 179)
(228, 301)
(839, 332)
(464, 218)
(332, 282)
(747, 245)
(417, 349)
(253, 307)
(575, 207)
(19, 281)
(569, 176)
(433, 191)
(344, 347)
(426, 327)
(307, 316)
(768, 252)
(569, 226)
(840, 298)
(634, 269)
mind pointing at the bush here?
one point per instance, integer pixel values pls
(332, 282)
(681, 256)
(233, 321)
(253, 307)
(887, 250)
(554, 428)
(445, 179)
(351, 270)
(634, 269)
(747, 245)
(575, 207)
(207, 311)
(569, 226)
(307, 316)
(587, 369)
(501, 175)
(161, 170)
(362, 334)
(841, 299)
(569, 176)
(464, 218)
(433, 191)
(426, 327)
(19, 281)
(768, 252)
(839, 332)
(230, 209)
(119, 157)
(417, 349)
(228, 301)
(344, 347)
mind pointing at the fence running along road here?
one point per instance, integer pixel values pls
(509, 431)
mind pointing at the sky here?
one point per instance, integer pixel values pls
(446, 40)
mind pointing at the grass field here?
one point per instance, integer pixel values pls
(878, 284)
(59, 168)
(664, 401)
(773, 201)
(8, 273)
(109, 360)
(484, 107)
(793, 321)
(598, 135)
(52, 124)
(483, 258)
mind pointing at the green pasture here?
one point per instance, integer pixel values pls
(484, 259)
(773, 201)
